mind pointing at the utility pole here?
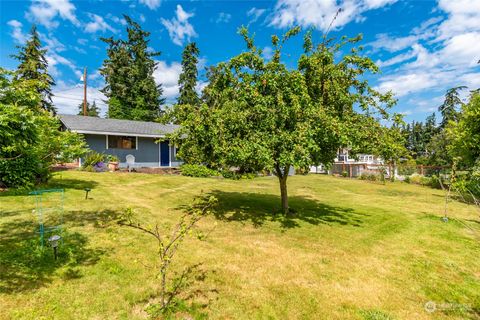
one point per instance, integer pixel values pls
(85, 91)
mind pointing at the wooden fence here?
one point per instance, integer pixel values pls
(356, 169)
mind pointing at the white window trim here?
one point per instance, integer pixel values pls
(106, 141)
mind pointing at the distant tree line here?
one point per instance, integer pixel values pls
(428, 142)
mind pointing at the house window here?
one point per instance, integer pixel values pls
(122, 142)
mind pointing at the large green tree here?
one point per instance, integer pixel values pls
(465, 135)
(92, 109)
(188, 97)
(129, 82)
(34, 66)
(451, 106)
(188, 78)
(30, 138)
(262, 115)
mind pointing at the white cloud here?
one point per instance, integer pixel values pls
(54, 60)
(142, 18)
(405, 84)
(179, 29)
(79, 50)
(255, 13)
(82, 41)
(152, 4)
(396, 59)
(393, 44)
(51, 43)
(464, 16)
(267, 53)
(67, 98)
(117, 20)
(44, 12)
(320, 13)
(223, 17)
(98, 24)
(167, 74)
(445, 52)
(17, 33)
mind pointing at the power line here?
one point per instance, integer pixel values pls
(78, 99)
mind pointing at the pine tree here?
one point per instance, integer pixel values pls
(130, 86)
(188, 78)
(34, 66)
(430, 128)
(450, 106)
(92, 109)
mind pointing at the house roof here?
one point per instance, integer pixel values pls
(94, 125)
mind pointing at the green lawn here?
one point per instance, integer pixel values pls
(354, 250)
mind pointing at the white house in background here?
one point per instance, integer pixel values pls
(343, 162)
(362, 158)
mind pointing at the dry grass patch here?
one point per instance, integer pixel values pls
(355, 250)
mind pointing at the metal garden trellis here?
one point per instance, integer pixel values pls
(49, 209)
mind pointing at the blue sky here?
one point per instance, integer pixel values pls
(422, 47)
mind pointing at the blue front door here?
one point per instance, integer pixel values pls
(164, 154)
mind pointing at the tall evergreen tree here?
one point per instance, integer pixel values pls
(188, 78)
(430, 129)
(450, 106)
(92, 109)
(34, 66)
(130, 86)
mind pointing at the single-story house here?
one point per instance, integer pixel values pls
(126, 137)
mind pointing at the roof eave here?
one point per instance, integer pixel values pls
(119, 133)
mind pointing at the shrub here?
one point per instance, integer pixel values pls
(414, 178)
(95, 162)
(407, 168)
(370, 176)
(199, 171)
(233, 175)
(20, 172)
(434, 182)
(424, 181)
(30, 139)
(112, 158)
(344, 174)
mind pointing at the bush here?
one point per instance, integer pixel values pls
(433, 181)
(112, 158)
(30, 140)
(199, 171)
(414, 178)
(227, 174)
(344, 174)
(407, 168)
(370, 176)
(425, 181)
(20, 172)
(95, 162)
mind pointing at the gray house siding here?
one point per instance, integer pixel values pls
(147, 153)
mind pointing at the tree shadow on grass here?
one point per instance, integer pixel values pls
(25, 265)
(96, 218)
(55, 183)
(259, 208)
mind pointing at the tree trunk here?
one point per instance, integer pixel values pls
(393, 170)
(282, 178)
